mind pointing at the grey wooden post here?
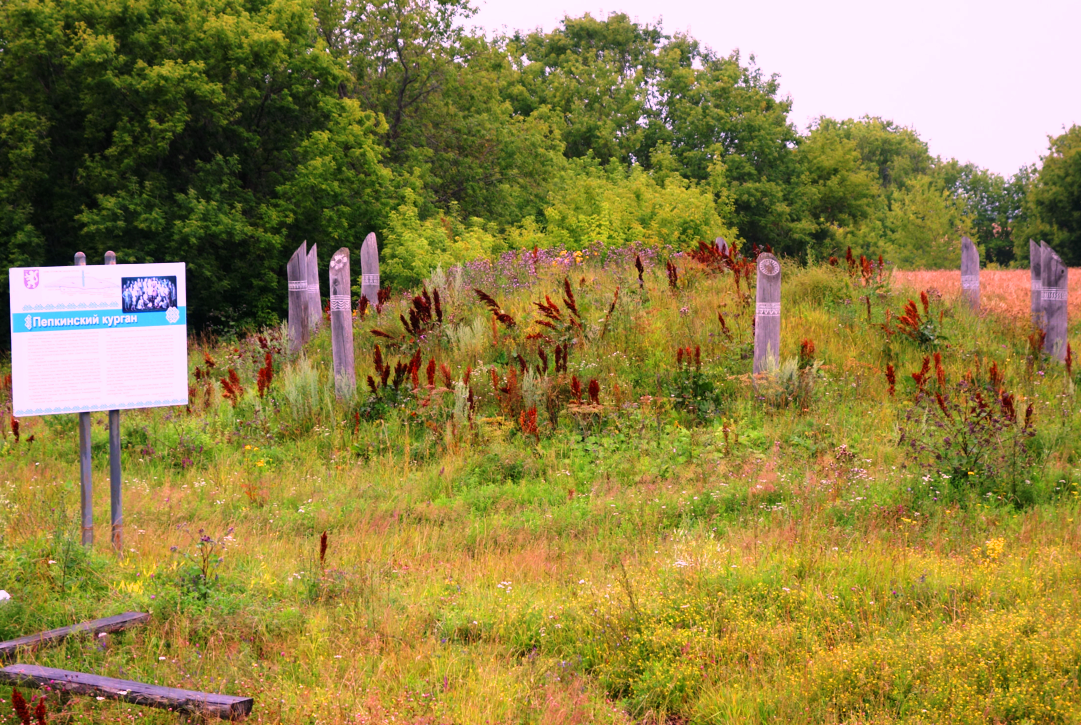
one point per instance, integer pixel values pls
(116, 508)
(341, 325)
(369, 269)
(767, 314)
(297, 273)
(315, 299)
(1053, 275)
(722, 246)
(86, 498)
(970, 273)
(1035, 257)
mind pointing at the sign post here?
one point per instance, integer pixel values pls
(767, 314)
(116, 503)
(1035, 257)
(722, 246)
(99, 338)
(86, 485)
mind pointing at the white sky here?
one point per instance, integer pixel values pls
(984, 81)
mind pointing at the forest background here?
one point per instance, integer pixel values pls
(223, 133)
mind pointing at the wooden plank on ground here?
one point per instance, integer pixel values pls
(56, 636)
(226, 707)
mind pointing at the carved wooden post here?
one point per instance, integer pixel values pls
(297, 273)
(86, 486)
(116, 502)
(1035, 256)
(341, 325)
(1053, 276)
(315, 299)
(970, 273)
(722, 246)
(767, 314)
(369, 269)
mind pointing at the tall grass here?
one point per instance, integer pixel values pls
(690, 549)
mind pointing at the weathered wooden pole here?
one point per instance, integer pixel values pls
(315, 299)
(341, 325)
(1054, 277)
(1035, 256)
(369, 270)
(297, 273)
(970, 273)
(116, 509)
(86, 489)
(767, 314)
(722, 246)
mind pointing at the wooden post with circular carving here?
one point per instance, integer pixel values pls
(767, 314)
(341, 325)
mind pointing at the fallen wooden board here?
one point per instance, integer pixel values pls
(56, 636)
(226, 707)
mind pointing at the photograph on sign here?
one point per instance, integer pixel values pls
(101, 337)
(148, 294)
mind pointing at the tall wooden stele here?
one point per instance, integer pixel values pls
(86, 486)
(369, 270)
(970, 273)
(722, 246)
(1053, 276)
(341, 325)
(315, 298)
(767, 314)
(1035, 257)
(116, 508)
(297, 273)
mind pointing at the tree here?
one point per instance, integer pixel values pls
(1052, 204)
(992, 202)
(209, 132)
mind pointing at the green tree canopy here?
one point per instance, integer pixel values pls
(206, 131)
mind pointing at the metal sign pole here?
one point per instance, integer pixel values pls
(117, 507)
(86, 488)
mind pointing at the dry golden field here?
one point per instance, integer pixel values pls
(1001, 291)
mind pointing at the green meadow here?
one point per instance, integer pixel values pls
(573, 503)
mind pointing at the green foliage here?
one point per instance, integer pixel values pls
(1053, 203)
(165, 133)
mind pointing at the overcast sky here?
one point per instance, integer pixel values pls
(983, 81)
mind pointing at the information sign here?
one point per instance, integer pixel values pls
(100, 337)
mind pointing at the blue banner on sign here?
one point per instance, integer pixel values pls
(95, 320)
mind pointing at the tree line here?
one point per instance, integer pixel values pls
(222, 133)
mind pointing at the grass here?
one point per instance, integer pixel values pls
(696, 547)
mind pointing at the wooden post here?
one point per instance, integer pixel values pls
(315, 299)
(1035, 256)
(767, 314)
(1053, 276)
(970, 273)
(369, 270)
(86, 498)
(297, 273)
(722, 246)
(341, 325)
(116, 508)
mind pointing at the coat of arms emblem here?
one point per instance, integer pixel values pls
(31, 278)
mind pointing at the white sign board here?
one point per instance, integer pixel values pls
(101, 337)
